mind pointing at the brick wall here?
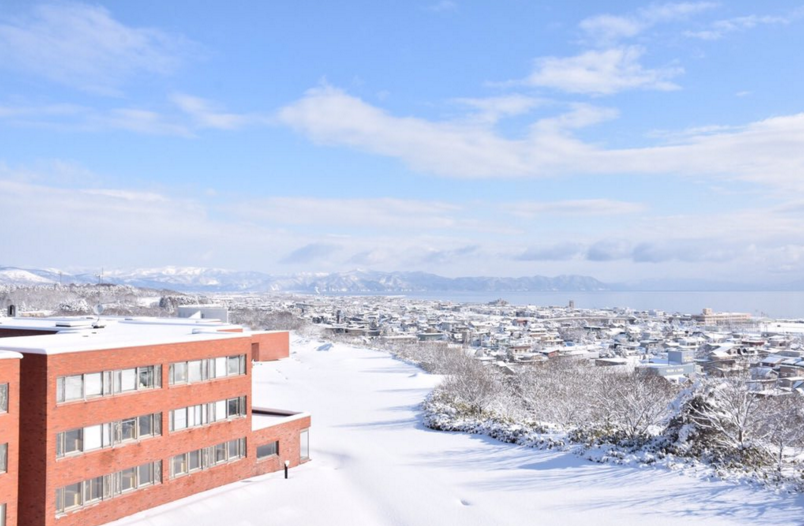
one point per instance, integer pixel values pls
(42, 419)
(9, 433)
(288, 436)
(45, 419)
(271, 345)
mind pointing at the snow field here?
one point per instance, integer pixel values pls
(374, 463)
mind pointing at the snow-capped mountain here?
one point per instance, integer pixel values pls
(196, 279)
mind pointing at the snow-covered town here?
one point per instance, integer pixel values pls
(712, 397)
(675, 346)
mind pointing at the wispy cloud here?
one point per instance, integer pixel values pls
(608, 250)
(403, 215)
(553, 252)
(492, 109)
(721, 28)
(601, 72)
(768, 152)
(577, 207)
(436, 256)
(85, 47)
(184, 117)
(607, 29)
(206, 114)
(442, 5)
(76, 118)
(313, 252)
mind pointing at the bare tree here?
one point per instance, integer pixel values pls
(471, 383)
(730, 412)
(783, 425)
(640, 403)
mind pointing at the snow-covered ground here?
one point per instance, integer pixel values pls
(374, 463)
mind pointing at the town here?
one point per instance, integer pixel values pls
(674, 346)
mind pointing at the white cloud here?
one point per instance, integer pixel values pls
(768, 152)
(83, 46)
(139, 121)
(127, 195)
(721, 28)
(657, 13)
(442, 5)
(205, 114)
(492, 109)
(610, 28)
(601, 72)
(186, 115)
(113, 225)
(607, 29)
(575, 207)
(363, 214)
(328, 115)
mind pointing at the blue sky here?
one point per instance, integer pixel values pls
(625, 140)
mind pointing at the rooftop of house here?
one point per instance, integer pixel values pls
(90, 333)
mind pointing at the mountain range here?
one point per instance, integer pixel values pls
(198, 279)
(195, 279)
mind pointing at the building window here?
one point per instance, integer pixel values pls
(194, 460)
(200, 459)
(178, 465)
(93, 490)
(94, 385)
(146, 475)
(268, 450)
(3, 458)
(178, 373)
(220, 453)
(304, 444)
(93, 438)
(202, 414)
(69, 497)
(3, 402)
(146, 377)
(81, 494)
(2, 515)
(128, 479)
(206, 369)
(236, 407)
(70, 442)
(110, 434)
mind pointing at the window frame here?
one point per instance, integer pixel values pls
(108, 486)
(274, 448)
(4, 388)
(304, 444)
(111, 434)
(111, 383)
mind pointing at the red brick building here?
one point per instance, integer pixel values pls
(123, 414)
(9, 435)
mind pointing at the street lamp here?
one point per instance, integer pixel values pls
(287, 465)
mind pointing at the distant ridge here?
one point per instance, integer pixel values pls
(195, 279)
(200, 279)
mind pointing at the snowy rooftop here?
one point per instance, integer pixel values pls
(262, 418)
(76, 334)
